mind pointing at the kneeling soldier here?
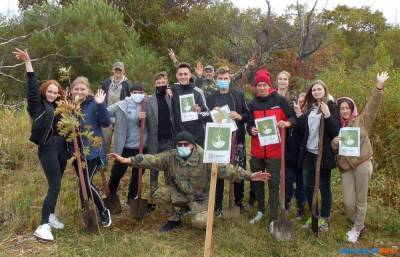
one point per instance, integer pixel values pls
(187, 179)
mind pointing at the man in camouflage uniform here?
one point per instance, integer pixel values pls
(187, 179)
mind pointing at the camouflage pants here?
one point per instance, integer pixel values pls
(171, 199)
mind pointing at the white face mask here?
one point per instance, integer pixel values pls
(137, 98)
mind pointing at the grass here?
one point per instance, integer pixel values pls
(23, 187)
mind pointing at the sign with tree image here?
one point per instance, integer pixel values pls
(186, 103)
(222, 116)
(349, 143)
(217, 146)
(268, 133)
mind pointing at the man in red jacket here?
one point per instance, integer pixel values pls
(267, 103)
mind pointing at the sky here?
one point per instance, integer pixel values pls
(389, 8)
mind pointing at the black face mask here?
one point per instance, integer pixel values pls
(160, 90)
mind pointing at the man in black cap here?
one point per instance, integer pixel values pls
(187, 179)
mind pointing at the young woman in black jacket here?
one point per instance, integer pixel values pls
(52, 153)
(317, 104)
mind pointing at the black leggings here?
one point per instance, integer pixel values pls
(118, 171)
(53, 158)
(92, 167)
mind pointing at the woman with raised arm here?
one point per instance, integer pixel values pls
(42, 102)
(357, 171)
(96, 118)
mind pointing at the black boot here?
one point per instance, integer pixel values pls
(170, 225)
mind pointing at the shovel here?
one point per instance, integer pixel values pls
(89, 215)
(282, 229)
(232, 212)
(314, 204)
(138, 206)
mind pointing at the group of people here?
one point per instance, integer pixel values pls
(311, 122)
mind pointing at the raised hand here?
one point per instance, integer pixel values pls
(297, 109)
(199, 69)
(172, 55)
(380, 79)
(120, 159)
(100, 96)
(24, 56)
(260, 176)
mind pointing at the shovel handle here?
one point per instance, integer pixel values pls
(79, 165)
(141, 147)
(282, 169)
(234, 156)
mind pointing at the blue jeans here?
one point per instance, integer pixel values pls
(294, 175)
(309, 165)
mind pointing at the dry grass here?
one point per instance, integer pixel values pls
(23, 188)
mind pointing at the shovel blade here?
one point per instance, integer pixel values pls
(138, 207)
(314, 225)
(231, 213)
(281, 230)
(90, 218)
(113, 204)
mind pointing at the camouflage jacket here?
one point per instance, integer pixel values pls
(207, 85)
(191, 176)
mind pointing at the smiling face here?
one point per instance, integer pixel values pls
(318, 92)
(345, 110)
(283, 81)
(52, 93)
(81, 90)
(183, 76)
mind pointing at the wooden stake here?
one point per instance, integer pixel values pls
(210, 212)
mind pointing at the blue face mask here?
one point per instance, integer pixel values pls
(222, 84)
(137, 98)
(184, 151)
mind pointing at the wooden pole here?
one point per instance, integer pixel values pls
(210, 212)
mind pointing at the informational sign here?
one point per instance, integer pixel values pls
(268, 133)
(217, 145)
(221, 115)
(186, 104)
(349, 143)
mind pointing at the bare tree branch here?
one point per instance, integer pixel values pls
(11, 77)
(15, 39)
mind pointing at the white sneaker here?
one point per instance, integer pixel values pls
(271, 227)
(43, 232)
(352, 235)
(257, 218)
(54, 222)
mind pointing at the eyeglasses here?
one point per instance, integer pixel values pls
(182, 144)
